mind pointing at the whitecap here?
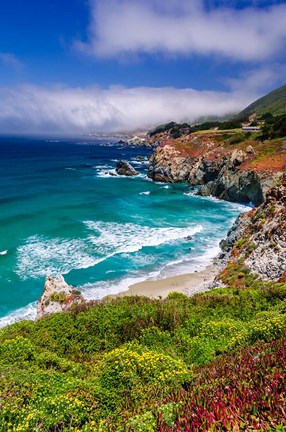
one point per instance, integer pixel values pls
(40, 256)
(4, 252)
(113, 238)
(111, 173)
(145, 193)
(25, 313)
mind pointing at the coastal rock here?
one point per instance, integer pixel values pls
(169, 166)
(58, 296)
(223, 172)
(235, 233)
(125, 168)
(137, 141)
(266, 252)
(258, 238)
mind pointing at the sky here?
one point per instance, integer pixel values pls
(80, 66)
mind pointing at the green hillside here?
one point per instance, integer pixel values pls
(274, 103)
(212, 362)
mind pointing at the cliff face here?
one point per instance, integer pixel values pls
(169, 165)
(250, 171)
(258, 238)
(242, 173)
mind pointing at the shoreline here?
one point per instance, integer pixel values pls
(188, 283)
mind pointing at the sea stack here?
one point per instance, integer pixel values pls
(125, 168)
(58, 296)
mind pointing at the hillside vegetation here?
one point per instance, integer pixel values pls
(135, 364)
(274, 103)
(266, 108)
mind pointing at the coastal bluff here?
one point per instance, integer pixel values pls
(239, 173)
(258, 238)
(248, 172)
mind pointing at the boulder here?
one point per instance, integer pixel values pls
(58, 296)
(124, 168)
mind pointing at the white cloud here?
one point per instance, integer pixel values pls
(9, 59)
(184, 27)
(32, 109)
(259, 79)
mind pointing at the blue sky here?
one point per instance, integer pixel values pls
(100, 65)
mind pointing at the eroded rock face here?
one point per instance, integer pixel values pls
(258, 238)
(125, 168)
(168, 165)
(268, 237)
(219, 172)
(58, 296)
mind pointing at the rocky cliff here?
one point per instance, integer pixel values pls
(258, 238)
(250, 171)
(242, 172)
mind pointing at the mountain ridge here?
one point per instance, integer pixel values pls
(273, 102)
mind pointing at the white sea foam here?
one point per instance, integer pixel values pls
(242, 208)
(98, 290)
(26, 313)
(111, 173)
(70, 169)
(100, 167)
(112, 237)
(190, 264)
(40, 256)
(4, 252)
(145, 193)
(103, 173)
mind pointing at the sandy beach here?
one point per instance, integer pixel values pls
(189, 284)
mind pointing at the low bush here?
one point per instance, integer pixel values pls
(135, 364)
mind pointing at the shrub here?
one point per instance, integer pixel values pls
(130, 366)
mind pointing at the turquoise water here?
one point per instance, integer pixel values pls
(62, 212)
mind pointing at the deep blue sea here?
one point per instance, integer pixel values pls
(63, 212)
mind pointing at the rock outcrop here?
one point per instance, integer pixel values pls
(267, 239)
(168, 165)
(125, 168)
(58, 296)
(249, 172)
(226, 172)
(258, 238)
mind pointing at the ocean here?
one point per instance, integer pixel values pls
(63, 212)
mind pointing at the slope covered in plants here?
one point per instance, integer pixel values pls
(273, 102)
(133, 363)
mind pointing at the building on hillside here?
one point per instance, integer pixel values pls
(250, 129)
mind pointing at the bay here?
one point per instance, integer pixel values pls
(64, 212)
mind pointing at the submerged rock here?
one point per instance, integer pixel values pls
(125, 168)
(58, 296)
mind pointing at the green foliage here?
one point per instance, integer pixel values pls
(142, 423)
(175, 129)
(273, 103)
(230, 124)
(237, 138)
(274, 127)
(59, 297)
(114, 363)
